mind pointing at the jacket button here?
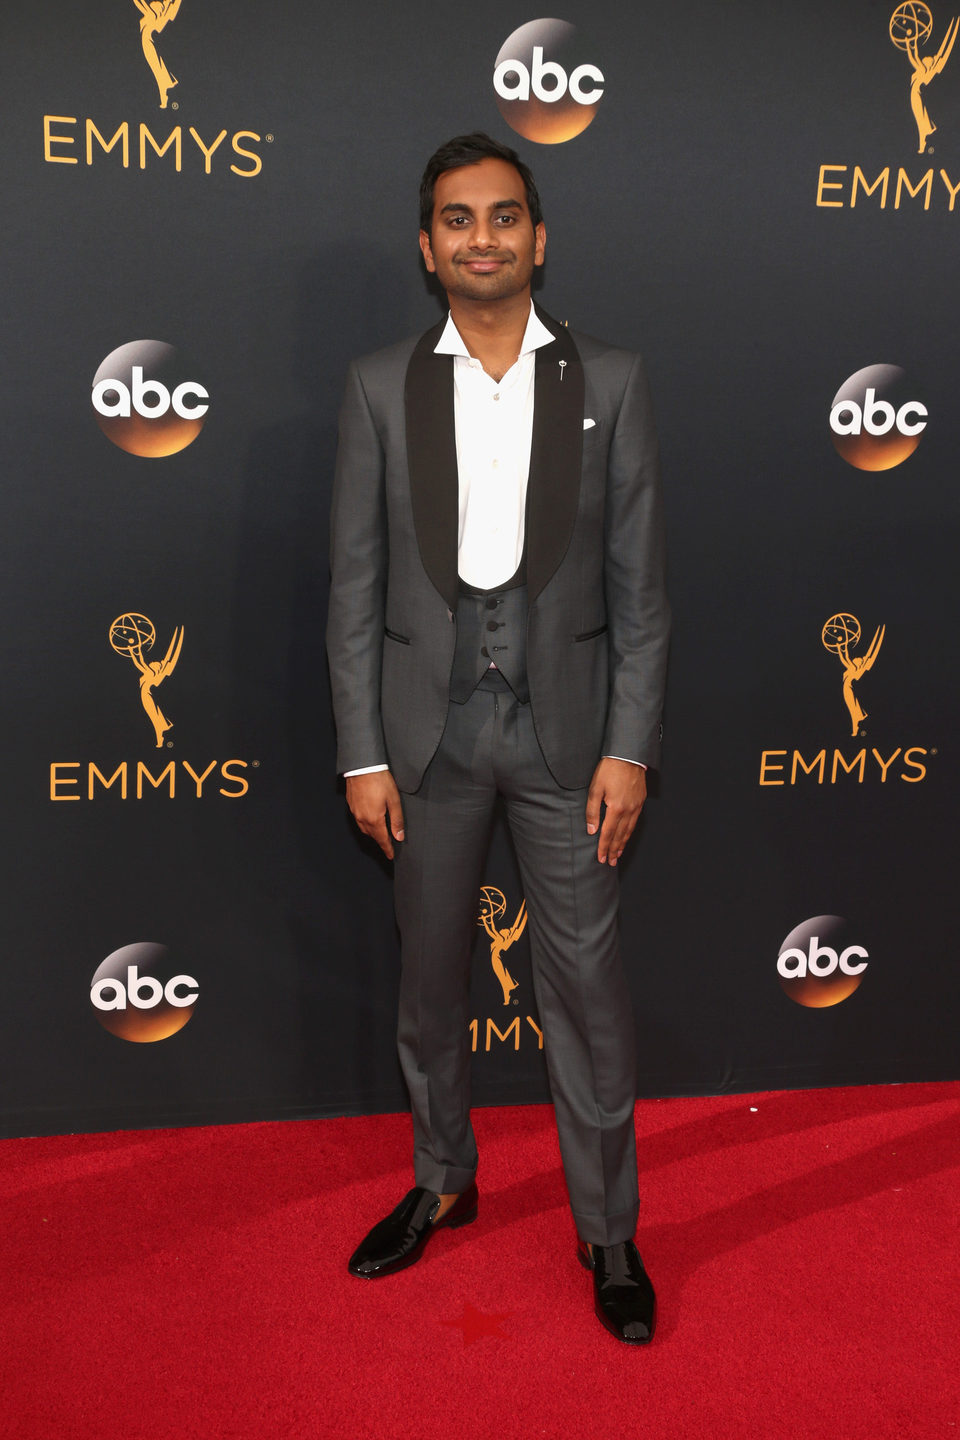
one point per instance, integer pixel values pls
(493, 624)
(484, 652)
(492, 603)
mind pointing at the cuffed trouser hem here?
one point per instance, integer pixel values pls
(607, 1229)
(442, 1180)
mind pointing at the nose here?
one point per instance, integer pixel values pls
(483, 237)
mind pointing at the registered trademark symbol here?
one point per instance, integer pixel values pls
(169, 744)
(269, 139)
(862, 733)
(175, 105)
(934, 751)
(516, 1002)
(255, 764)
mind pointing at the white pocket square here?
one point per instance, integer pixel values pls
(589, 424)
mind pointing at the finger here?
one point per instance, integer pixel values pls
(381, 834)
(625, 829)
(376, 828)
(594, 798)
(606, 836)
(396, 817)
(624, 824)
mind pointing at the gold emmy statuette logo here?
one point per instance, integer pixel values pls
(132, 635)
(128, 145)
(154, 16)
(493, 904)
(839, 633)
(843, 187)
(911, 25)
(859, 763)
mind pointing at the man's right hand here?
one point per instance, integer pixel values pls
(372, 799)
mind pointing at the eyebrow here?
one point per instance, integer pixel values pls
(457, 207)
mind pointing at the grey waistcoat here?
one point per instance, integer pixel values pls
(491, 626)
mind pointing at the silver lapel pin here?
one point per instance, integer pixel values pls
(563, 366)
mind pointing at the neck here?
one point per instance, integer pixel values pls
(492, 330)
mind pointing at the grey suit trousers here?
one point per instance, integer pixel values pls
(489, 747)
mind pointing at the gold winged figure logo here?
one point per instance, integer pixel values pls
(155, 15)
(493, 905)
(134, 635)
(839, 633)
(911, 25)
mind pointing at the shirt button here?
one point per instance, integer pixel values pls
(492, 604)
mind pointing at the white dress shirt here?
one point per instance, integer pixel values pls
(494, 427)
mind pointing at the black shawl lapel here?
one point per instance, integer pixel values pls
(432, 461)
(553, 490)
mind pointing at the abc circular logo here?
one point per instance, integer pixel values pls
(817, 965)
(137, 995)
(875, 422)
(546, 85)
(145, 401)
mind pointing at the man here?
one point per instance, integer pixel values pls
(498, 626)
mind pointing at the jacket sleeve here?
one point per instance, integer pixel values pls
(358, 565)
(634, 579)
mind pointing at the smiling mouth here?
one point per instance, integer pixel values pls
(485, 262)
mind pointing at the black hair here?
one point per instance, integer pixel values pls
(470, 150)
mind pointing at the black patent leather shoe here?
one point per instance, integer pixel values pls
(623, 1295)
(399, 1240)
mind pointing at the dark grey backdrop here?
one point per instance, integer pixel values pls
(682, 222)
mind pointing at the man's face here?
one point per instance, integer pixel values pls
(482, 243)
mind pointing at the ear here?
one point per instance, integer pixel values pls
(427, 252)
(540, 235)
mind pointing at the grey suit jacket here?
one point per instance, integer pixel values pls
(598, 621)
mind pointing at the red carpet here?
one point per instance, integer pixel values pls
(192, 1282)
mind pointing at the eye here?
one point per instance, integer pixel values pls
(506, 220)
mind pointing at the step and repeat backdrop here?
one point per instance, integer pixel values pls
(209, 207)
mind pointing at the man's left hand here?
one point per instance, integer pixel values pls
(622, 788)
